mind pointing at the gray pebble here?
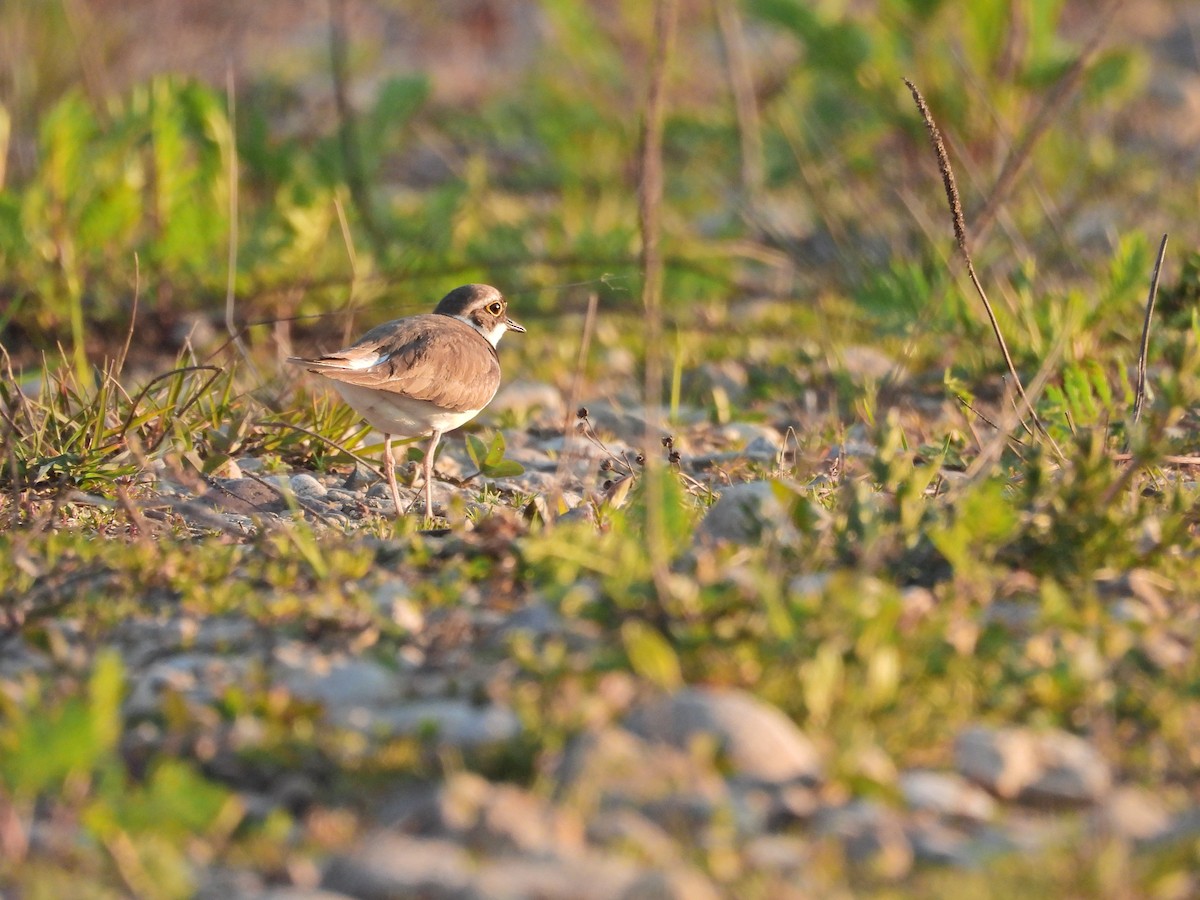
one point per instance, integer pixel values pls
(306, 487)
(763, 745)
(1049, 767)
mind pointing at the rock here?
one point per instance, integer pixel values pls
(494, 819)
(18, 662)
(394, 599)
(783, 854)
(635, 835)
(761, 449)
(671, 884)
(866, 362)
(726, 376)
(244, 496)
(456, 723)
(199, 677)
(537, 618)
(946, 794)
(744, 433)
(1049, 767)
(388, 865)
(144, 641)
(1134, 814)
(614, 769)
(938, 843)
(744, 514)
(627, 426)
(1184, 827)
(762, 745)
(523, 398)
(516, 878)
(306, 487)
(340, 682)
(871, 835)
(360, 478)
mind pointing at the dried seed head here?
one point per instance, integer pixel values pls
(606, 465)
(667, 440)
(582, 412)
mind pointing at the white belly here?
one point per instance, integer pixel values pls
(402, 416)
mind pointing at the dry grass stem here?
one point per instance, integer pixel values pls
(1140, 397)
(960, 236)
(745, 103)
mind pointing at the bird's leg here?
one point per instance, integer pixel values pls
(389, 470)
(433, 442)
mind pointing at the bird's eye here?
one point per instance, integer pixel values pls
(496, 308)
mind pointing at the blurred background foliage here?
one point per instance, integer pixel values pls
(381, 151)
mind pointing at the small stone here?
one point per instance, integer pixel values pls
(762, 745)
(761, 449)
(249, 463)
(360, 478)
(342, 683)
(1135, 814)
(244, 496)
(946, 794)
(1049, 767)
(199, 677)
(394, 599)
(867, 362)
(727, 376)
(783, 854)
(342, 496)
(307, 488)
(495, 819)
(524, 398)
(388, 864)
(938, 843)
(745, 513)
(613, 769)
(537, 618)
(629, 831)
(517, 878)
(872, 835)
(672, 884)
(455, 723)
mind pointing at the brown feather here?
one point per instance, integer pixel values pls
(435, 358)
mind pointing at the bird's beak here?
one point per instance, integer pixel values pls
(513, 326)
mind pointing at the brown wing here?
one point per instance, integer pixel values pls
(436, 358)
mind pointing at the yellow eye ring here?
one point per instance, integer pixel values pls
(496, 308)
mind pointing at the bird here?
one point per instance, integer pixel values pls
(423, 375)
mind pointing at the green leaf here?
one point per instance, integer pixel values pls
(505, 468)
(650, 655)
(105, 689)
(477, 450)
(496, 450)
